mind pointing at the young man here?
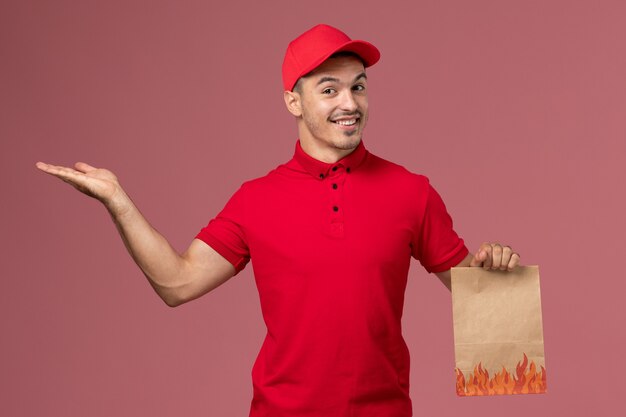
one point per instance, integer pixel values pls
(330, 234)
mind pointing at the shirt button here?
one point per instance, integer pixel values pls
(348, 170)
(321, 175)
(334, 186)
(335, 208)
(335, 168)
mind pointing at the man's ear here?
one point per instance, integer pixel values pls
(293, 102)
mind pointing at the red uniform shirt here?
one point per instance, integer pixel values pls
(330, 246)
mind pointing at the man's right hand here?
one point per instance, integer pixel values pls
(176, 278)
(98, 183)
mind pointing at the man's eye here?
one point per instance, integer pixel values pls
(359, 87)
(328, 91)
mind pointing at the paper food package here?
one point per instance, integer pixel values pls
(498, 332)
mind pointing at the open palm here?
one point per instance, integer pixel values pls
(98, 183)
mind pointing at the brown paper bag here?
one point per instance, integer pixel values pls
(498, 334)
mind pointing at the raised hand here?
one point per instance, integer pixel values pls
(176, 278)
(98, 183)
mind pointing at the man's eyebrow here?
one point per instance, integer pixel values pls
(361, 75)
(333, 79)
(325, 79)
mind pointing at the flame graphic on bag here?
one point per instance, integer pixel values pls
(525, 381)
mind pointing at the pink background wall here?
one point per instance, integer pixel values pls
(514, 109)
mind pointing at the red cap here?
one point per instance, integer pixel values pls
(316, 45)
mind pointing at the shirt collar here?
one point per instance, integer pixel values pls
(319, 169)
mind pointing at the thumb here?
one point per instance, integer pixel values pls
(478, 258)
(83, 167)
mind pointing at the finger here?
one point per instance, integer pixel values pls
(54, 169)
(478, 258)
(42, 166)
(515, 258)
(64, 173)
(488, 261)
(507, 252)
(496, 256)
(84, 167)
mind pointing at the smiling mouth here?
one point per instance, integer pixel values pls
(348, 122)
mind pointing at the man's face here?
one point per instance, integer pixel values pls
(333, 104)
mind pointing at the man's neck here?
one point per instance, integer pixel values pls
(327, 154)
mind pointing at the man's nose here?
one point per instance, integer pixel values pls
(348, 103)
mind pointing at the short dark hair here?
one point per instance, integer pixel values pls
(297, 88)
(341, 54)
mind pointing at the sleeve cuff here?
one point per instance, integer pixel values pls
(452, 261)
(236, 260)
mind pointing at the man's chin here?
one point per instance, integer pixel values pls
(347, 145)
(353, 138)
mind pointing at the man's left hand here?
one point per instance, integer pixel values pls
(495, 256)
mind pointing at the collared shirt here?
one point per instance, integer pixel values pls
(330, 245)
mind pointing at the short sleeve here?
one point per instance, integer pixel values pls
(225, 232)
(436, 245)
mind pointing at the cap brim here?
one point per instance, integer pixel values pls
(368, 52)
